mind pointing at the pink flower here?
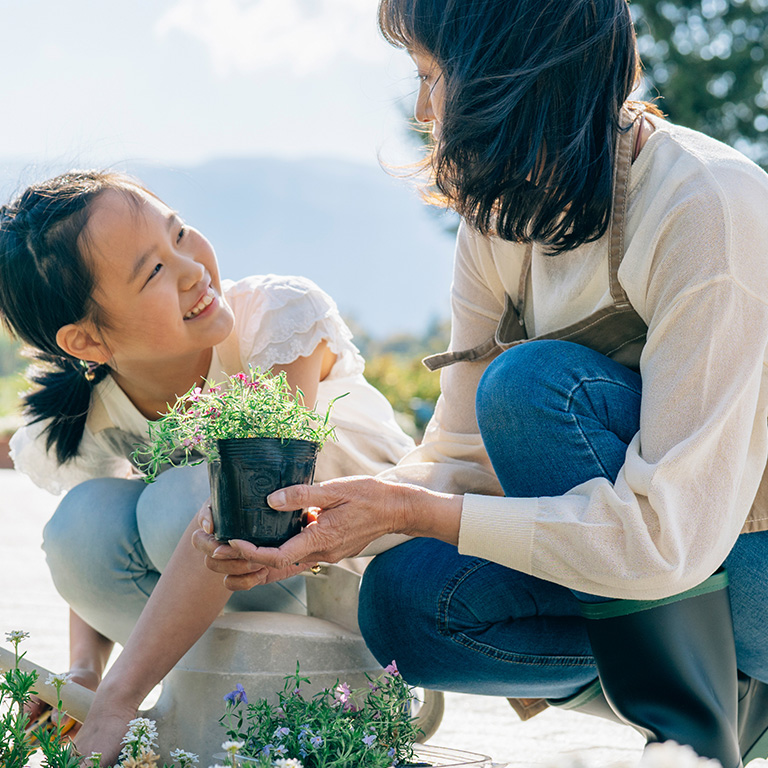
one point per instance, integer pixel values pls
(391, 669)
(195, 396)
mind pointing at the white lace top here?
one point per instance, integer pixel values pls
(277, 320)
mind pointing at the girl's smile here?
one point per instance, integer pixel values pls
(157, 281)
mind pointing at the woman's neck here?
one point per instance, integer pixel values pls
(153, 387)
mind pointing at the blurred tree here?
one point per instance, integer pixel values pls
(707, 61)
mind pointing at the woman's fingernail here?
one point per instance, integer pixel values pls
(276, 499)
(207, 525)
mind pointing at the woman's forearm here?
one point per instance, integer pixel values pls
(184, 603)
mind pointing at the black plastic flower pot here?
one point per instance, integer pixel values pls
(247, 471)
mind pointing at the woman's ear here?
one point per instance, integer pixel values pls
(78, 342)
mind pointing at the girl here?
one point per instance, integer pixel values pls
(122, 303)
(599, 447)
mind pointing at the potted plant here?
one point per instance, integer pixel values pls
(256, 435)
(339, 728)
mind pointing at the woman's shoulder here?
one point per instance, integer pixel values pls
(677, 161)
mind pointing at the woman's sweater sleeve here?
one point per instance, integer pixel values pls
(692, 471)
(451, 457)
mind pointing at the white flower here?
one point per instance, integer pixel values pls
(61, 678)
(673, 755)
(232, 746)
(16, 636)
(184, 757)
(287, 762)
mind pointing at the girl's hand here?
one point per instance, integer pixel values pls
(103, 730)
(345, 516)
(36, 708)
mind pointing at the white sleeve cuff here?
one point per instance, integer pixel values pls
(498, 529)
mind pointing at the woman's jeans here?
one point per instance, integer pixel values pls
(552, 415)
(110, 539)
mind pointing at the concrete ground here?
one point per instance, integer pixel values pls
(484, 724)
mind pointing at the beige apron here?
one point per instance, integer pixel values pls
(616, 331)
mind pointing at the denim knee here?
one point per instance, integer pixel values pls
(90, 520)
(167, 506)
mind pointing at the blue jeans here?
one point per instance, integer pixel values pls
(552, 415)
(110, 539)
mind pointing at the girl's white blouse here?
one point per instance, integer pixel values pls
(277, 320)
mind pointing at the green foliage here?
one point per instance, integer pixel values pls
(394, 367)
(11, 360)
(260, 404)
(10, 402)
(16, 744)
(369, 728)
(707, 60)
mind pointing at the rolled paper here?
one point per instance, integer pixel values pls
(76, 700)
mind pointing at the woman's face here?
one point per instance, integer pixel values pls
(430, 100)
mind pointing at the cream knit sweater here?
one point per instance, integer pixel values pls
(696, 271)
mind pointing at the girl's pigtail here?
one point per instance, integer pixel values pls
(62, 395)
(42, 241)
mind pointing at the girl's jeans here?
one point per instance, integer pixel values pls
(110, 539)
(552, 415)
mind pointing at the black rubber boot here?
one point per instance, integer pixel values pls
(668, 667)
(752, 713)
(753, 718)
(591, 701)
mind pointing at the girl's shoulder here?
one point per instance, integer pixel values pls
(279, 318)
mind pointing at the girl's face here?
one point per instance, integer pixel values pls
(430, 100)
(156, 279)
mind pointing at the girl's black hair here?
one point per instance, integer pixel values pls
(533, 93)
(45, 284)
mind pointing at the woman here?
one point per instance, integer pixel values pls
(598, 449)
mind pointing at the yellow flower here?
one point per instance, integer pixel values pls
(144, 760)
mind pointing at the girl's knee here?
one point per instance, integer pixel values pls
(90, 512)
(167, 506)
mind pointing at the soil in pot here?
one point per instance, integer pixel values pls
(247, 471)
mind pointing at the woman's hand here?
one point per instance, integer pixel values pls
(345, 516)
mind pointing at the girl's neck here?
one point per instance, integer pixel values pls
(152, 387)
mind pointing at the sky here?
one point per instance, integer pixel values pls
(183, 81)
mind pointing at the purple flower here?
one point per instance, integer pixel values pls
(316, 741)
(280, 750)
(391, 752)
(342, 693)
(237, 696)
(369, 739)
(281, 732)
(267, 749)
(391, 669)
(373, 686)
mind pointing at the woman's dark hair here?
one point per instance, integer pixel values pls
(45, 284)
(533, 94)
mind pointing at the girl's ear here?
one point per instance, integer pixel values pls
(78, 342)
